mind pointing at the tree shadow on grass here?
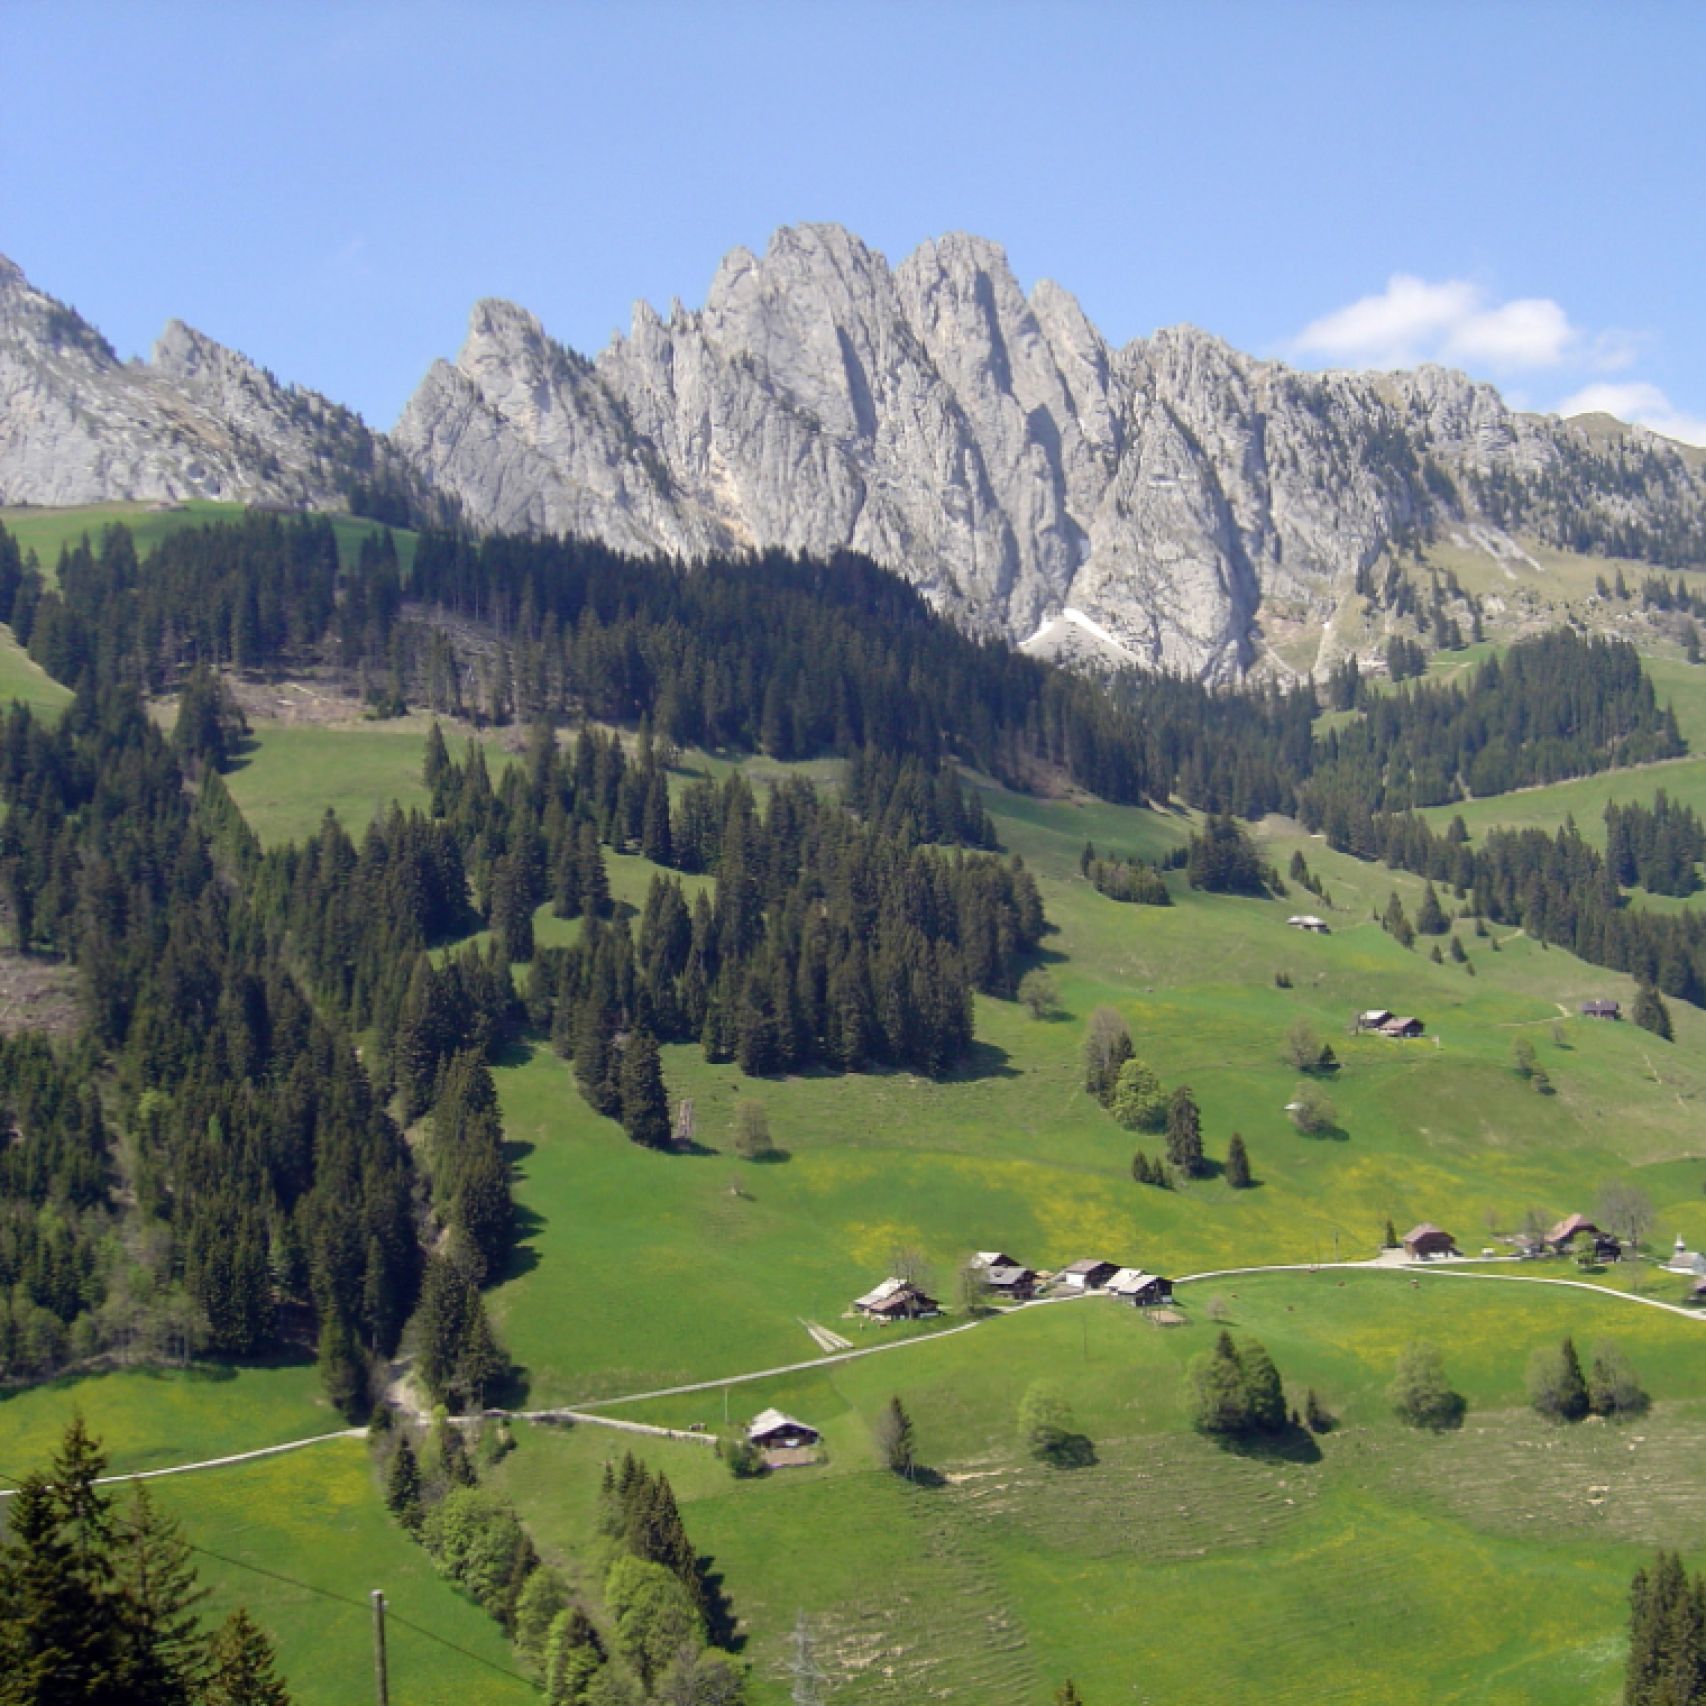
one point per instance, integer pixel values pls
(720, 1621)
(523, 1258)
(1444, 1415)
(1329, 1133)
(919, 1475)
(1071, 1451)
(983, 1060)
(1292, 1444)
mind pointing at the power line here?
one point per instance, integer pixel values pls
(331, 1594)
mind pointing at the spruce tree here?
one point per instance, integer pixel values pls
(403, 1484)
(1237, 1164)
(163, 1651)
(242, 1666)
(343, 1370)
(894, 1439)
(1651, 1013)
(1184, 1133)
(1556, 1387)
(645, 1102)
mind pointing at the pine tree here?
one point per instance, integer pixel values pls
(1184, 1133)
(403, 1484)
(61, 1635)
(243, 1668)
(645, 1102)
(480, 1363)
(894, 1438)
(1237, 1164)
(1556, 1386)
(163, 1651)
(343, 1370)
(1651, 1013)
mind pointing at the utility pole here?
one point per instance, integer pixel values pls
(381, 1686)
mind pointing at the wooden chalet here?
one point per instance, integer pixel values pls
(1601, 1010)
(1568, 1230)
(1428, 1240)
(1011, 1281)
(1308, 921)
(1374, 1018)
(1401, 1026)
(1140, 1290)
(984, 1260)
(772, 1430)
(896, 1300)
(1087, 1275)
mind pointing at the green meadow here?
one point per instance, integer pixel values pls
(149, 1418)
(314, 1518)
(49, 531)
(1492, 1562)
(21, 677)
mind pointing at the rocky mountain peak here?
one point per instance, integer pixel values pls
(1182, 504)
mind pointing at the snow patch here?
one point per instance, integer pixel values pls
(1078, 619)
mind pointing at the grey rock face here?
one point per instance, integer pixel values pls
(992, 448)
(77, 425)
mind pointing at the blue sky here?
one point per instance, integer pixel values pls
(329, 187)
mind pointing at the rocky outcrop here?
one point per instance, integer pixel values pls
(77, 425)
(1174, 494)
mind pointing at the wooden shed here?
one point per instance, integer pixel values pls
(1427, 1240)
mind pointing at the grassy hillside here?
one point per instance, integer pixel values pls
(315, 1519)
(48, 531)
(1492, 1562)
(149, 1418)
(21, 677)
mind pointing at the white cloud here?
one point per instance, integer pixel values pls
(1636, 400)
(1393, 328)
(1531, 332)
(1454, 321)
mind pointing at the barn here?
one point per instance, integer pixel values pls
(1427, 1240)
(1140, 1290)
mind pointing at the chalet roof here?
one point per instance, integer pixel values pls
(1374, 1016)
(993, 1259)
(1569, 1227)
(1009, 1273)
(1087, 1265)
(1426, 1229)
(1400, 1022)
(1306, 921)
(1600, 1007)
(890, 1287)
(1129, 1281)
(775, 1421)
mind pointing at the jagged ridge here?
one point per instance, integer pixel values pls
(992, 447)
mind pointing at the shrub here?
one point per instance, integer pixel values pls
(1420, 1394)
(1556, 1387)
